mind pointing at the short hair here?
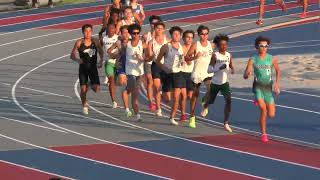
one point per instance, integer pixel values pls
(261, 38)
(188, 32)
(115, 11)
(127, 7)
(123, 28)
(201, 28)
(220, 37)
(85, 26)
(160, 23)
(175, 28)
(134, 27)
(154, 17)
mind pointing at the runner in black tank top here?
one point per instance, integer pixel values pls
(87, 48)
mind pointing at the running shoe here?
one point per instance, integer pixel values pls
(85, 110)
(183, 118)
(259, 22)
(114, 105)
(264, 138)
(192, 122)
(152, 107)
(174, 122)
(159, 113)
(204, 112)
(303, 15)
(138, 117)
(227, 127)
(128, 113)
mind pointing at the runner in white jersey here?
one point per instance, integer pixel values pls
(221, 63)
(138, 9)
(171, 60)
(134, 69)
(128, 19)
(147, 65)
(200, 52)
(153, 50)
(110, 67)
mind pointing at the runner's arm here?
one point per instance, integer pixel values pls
(119, 24)
(142, 12)
(114, 46)
(73, 54)
(191, 53)
(100, 51)
(212, 68)
(150, 54)
(162, 53)
(248, 70)
(231, 65)
(277, 70)
(138, 19)
(106, 15)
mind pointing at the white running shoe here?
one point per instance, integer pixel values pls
(159, 113)
(106, 80)
(114, 105)
(228, 128)
(204, 112)
(138, 117)
(85, 110)
(174, 122)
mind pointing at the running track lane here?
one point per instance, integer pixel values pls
(12, 172)
(97, 21)
(69, 166)
(234, 13)
(274, 149)
(35, 17)
(78, 17)
(151, 163)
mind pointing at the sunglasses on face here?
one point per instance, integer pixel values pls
(263, 46)
(135, 33)
(204, 34)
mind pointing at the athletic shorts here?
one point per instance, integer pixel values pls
(133, 81)
(178, 80)
(166, 81)
(187, 77)
(109, 69)
(122, 68)
(197, 85)
(88, 71)
(216, 88)
(263, 92)
(147, 68)
(156, 71)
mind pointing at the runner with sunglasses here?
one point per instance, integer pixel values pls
(262, 65)
(147, 65)
(134, 69)
(200, 52)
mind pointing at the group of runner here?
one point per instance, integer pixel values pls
(171, 71)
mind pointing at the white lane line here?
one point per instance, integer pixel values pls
(79, 157)
(77, 115)
(32, 124)
(193, 141)
(13, 92)
(304, 94)
(46, 92)
(33, 169)
(6, 84)
(167, 135)
(5, 100)
(78, 20)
